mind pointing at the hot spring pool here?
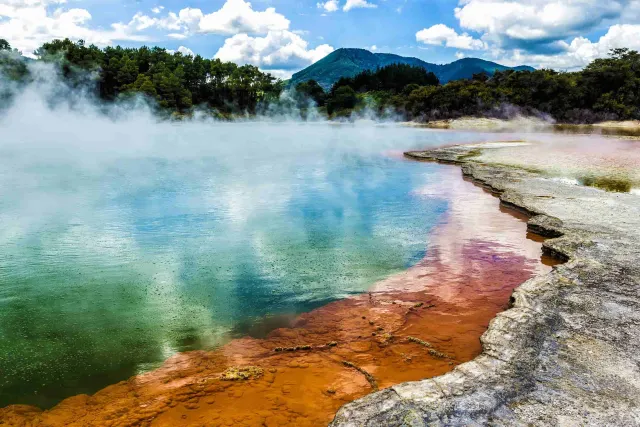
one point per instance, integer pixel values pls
(126, 243)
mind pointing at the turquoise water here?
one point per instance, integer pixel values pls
(122, 246)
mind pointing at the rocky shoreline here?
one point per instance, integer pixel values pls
(566, 352)
(617, 129)
(417, 323)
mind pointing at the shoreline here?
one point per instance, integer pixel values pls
(328, 352)
(566, 351)
(620, 129)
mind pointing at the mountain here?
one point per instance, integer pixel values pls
(348, 62)
(465, 68)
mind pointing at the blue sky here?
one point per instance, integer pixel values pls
(393, 23)
(283, 36)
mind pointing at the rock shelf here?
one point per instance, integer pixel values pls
(566, 352)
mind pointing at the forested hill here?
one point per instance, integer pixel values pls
(177, 85)
(350, 62)
(606, 89)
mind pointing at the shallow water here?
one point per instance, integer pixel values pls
(605, 163)
(415, 324)
(120, 249)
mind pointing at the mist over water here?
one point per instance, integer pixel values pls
(126, 239)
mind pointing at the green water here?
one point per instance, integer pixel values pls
(122, 247)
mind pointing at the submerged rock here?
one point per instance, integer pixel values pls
(566, 353)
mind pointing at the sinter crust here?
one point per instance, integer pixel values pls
(566, 353)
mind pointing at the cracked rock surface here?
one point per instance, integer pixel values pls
(568, 351)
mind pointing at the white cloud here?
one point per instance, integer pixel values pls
(234, 17)
(441, 35)
(238, 16)
(373, 48)
(354, 4)
(183, 50)
(542, 33)
(460, 55)
(28, 24)
(139, 22)
(188, 18)
(534, 23)
(279, 51)
(581, 51)
(186, 51)
(329, 6)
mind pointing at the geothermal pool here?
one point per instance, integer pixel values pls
(123, 245)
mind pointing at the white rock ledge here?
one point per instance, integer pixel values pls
(568, 351)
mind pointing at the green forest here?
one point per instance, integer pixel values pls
(607, 89)
(173, 81)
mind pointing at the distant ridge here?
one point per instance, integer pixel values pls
(347, 62)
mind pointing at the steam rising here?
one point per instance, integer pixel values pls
(126, 238)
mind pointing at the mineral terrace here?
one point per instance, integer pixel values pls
(566, 353)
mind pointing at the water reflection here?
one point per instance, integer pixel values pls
(603, 163)
(415, 324)
(116, 257)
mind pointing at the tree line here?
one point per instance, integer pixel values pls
(607, 89)
(173, 81)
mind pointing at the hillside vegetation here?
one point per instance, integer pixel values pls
(607, 89)
(173, 81)
(350, 62)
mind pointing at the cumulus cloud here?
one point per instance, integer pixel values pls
(355, 4)
(259, 37)
(237, 16)
(183, 50)
(139, 22)
(542, 33)
(441, 35)
(186, 51)
(234, 17)
(279, 52)
(581, 51)
(535, 25)
(329, 6)
(27, 24)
